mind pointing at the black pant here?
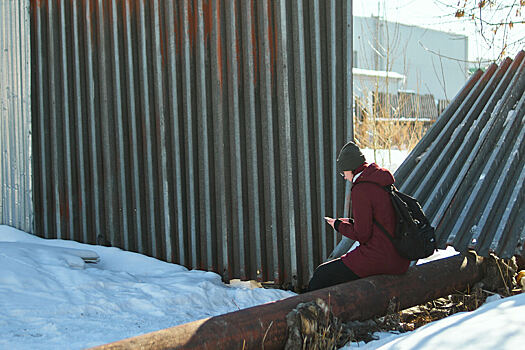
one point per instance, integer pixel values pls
(331, 273)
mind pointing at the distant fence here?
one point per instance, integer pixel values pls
(203, 133)
(394, 120)
(16, 203)
(401, 105)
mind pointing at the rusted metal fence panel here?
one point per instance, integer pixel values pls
(469, 169)
(199, 132)
(16, 204)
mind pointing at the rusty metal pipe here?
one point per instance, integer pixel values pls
(264, 326)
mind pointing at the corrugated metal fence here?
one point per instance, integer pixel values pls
(469, 169)
(200, 132)
(16, 204)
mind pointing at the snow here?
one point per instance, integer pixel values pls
(50, 298)
(439, 254)
(498, 324)
(377, 73)
(389, 159)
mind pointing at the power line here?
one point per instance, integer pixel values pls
(452, 58)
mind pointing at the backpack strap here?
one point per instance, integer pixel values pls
(381, 227)
(389, 189)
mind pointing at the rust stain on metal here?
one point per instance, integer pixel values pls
(237, 45)
(192, 16)
(192, 24)
(193, 19)
(254, 43)
(125, 15)
(271, 42)
(219, 46)
(89, 20)
(177, 29)
(131, 8)
(208, 20)
(64, 208)
(161, 36)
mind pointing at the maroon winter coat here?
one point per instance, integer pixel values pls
(375, 254)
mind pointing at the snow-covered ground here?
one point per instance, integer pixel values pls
(51, 299)
(390, 159)
(498, 324)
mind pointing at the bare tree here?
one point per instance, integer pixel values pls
(494, 20)
(381, 121)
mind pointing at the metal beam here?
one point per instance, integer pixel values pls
(264, 326)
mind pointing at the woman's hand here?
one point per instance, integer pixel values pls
(330, 221)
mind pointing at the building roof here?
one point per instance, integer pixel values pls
(468, 171)
(377, 74)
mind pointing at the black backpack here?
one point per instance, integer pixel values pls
(414, 237)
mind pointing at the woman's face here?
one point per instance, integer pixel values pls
(348, 175)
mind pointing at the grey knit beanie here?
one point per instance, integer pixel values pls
(350, 157)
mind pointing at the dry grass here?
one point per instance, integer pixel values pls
(313, 326)
(389, 134)
(380, 126)
(500, 277)
(415, 317)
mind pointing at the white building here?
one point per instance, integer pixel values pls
(417, 59)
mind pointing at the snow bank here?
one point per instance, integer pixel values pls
(498, 324)
(50, 298)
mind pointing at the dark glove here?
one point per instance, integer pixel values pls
(338, 222)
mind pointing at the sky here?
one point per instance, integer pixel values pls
(439, 15)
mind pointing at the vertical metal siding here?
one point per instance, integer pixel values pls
(200, 132)
(318, 115)
(252, 184)
(16, 171)
(304, 179)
